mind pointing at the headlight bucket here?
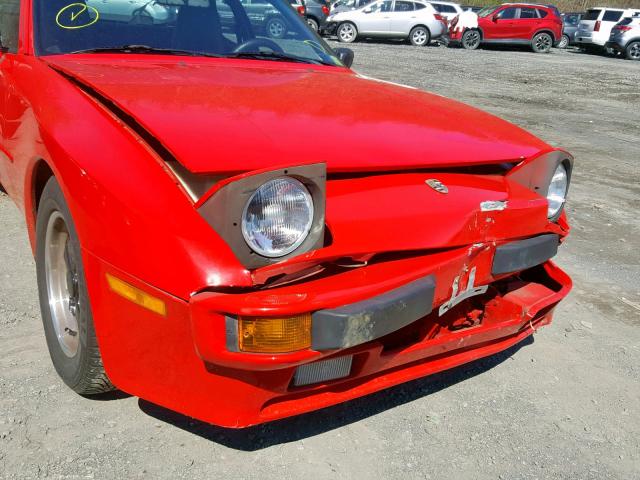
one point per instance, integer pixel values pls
(224, 210)
(537, 174)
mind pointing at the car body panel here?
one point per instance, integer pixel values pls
(419, 186)
(218, 95)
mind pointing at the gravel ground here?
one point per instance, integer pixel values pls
(563, 405)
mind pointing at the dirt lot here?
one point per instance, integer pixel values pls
(564, 405)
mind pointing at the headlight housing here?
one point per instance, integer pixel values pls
(269, 216)
(278, 217)
(557, 192)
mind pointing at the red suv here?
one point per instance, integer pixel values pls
(539, 26)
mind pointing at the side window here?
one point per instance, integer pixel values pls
(386, 6)
(507, 13)
(528, 13)
(419, 6)
(437, 6)
(401, 6)
(9, 24)
(542, 13)
(611, 16)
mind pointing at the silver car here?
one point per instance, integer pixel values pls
(414, 20)
(625, 38)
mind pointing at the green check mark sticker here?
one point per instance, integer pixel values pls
(71, 17)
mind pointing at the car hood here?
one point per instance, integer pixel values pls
(227, 116)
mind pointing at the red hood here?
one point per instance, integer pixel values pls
(220, 115)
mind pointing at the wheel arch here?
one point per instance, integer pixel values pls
(545, 30)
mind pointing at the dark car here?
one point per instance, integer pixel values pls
(570, 27)
(316, 13)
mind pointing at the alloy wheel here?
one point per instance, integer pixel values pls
(419, 37)
(346, 33)
(543, 43)
(61, 272)
(471, 39)
(633, 51)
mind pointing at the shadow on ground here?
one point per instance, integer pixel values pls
(321, 421)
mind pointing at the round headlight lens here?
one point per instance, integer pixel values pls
(278, 217)
(557, 193)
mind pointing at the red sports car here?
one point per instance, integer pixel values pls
(192, 249)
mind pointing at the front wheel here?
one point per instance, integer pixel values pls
(632, 52)
(347, 32)
(64, 301)
(313, 24)
(564, 42)
(542, 43)
(419, 36)
(276, 28)
(471, 39)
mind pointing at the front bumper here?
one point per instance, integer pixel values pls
(329, 28)
(387, 315)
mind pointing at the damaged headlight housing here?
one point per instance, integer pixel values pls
(278, 217)
(557, 192)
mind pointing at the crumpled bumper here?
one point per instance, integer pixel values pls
(183, 361)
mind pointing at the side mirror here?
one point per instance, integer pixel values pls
(345, 55)
(495, 17)
(367, 10)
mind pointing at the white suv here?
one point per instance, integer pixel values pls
(414, 20)
(595, 27)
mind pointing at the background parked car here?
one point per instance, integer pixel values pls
(595, 27)
(625, 38)
(316, 13)
(570, 27)
(448, 10)
(539, 26)
(414, 20)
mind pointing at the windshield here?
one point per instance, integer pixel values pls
(486, 11)
(261, 29)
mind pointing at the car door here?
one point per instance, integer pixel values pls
(9, 25)
(403, 17)
(375, 18)
(526, 23)
(500, 25)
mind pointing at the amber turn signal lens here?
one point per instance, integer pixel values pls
(274, 335)
(136, 295)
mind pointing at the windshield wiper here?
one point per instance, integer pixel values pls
(146, 49)
(276, 57)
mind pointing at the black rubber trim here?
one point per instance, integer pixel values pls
(523, 254)
(373, 318)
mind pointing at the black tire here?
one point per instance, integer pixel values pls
(420, 36)
(313, 24)
(471, 39)
(83, 371)
(347, 32)
(564, 41)
(276, 27)
(632, 52)
(542, 42)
